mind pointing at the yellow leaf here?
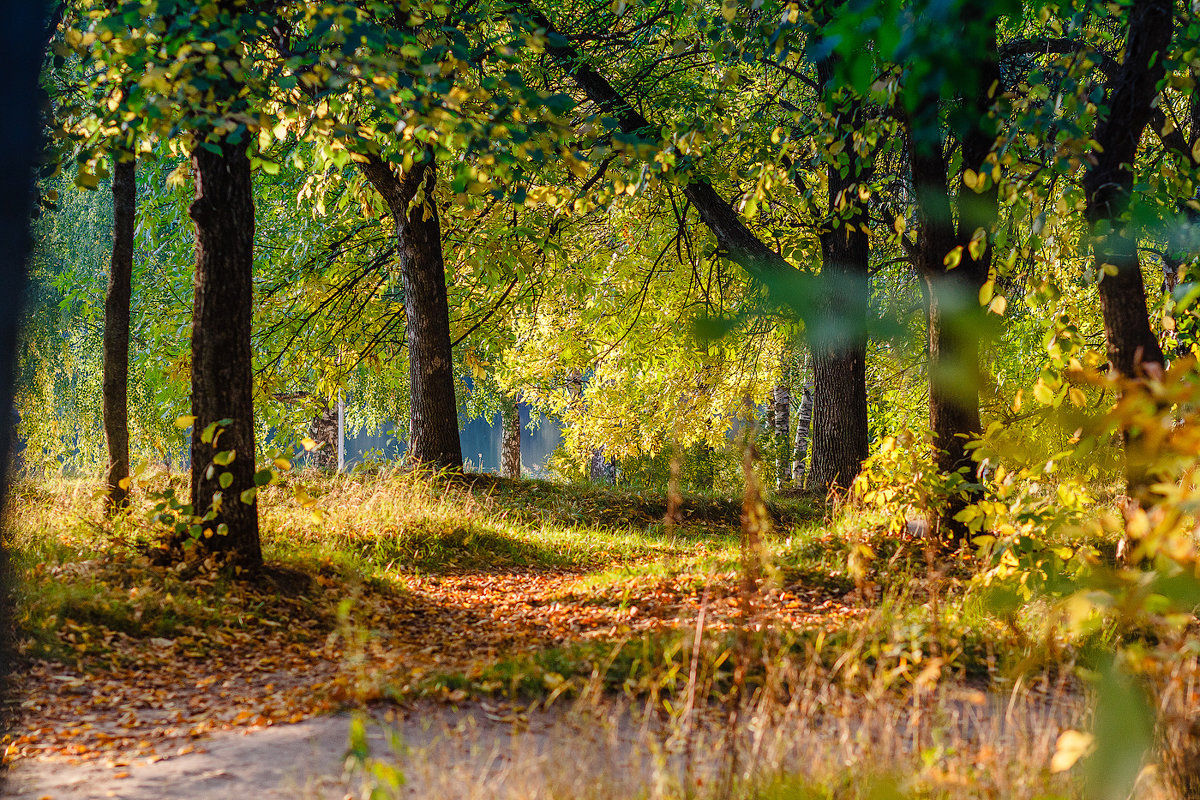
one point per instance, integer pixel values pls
(283, 464)
(124, 483)
(1077, 397)
(953, 258)
(986, 291)
(308, 443)
(1043, 393)
(998, 305)
(185, 421)
(1071, 746)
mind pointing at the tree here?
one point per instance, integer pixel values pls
(1134, 351)
(510, 442)
(433, 420)
(22, 39)
(223, 451)
(953, 60)
(839, 341)
(116, 331)
(224, 490)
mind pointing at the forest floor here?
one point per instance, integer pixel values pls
(488, 603)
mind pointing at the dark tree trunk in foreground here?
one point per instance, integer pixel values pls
(116, 333)
(952, 318)
(1133, 349)
(21, 40)
(838, 336)
(954, 264)
(222, 375)
(510, 444)
(839, 343)
(433, 417)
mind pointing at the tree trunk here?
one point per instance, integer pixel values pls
(222, 373)
(510, 446)
(1133, 349)
(116, 333)
(782, 435)
(22, 39)
(601, 468)
(839, 346)
(433, 438)
(324, 431)
(706, 467)
(954, 261)
(803, 426)
(838, 334)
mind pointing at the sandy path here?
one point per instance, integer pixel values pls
(468, 751)
(479, 750)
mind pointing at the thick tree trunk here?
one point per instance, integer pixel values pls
(510, 444)
(22, 39)
(803, 426)
(954, 261)
(954, 321)
(222, 373)
(838, 334)
(1133, 349)
(116, 333)
(839, 346)
(433, 438)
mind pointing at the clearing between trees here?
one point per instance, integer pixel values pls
(434, 602)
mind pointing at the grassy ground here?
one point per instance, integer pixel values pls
(394, 586)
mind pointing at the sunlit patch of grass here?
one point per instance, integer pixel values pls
(398, 522)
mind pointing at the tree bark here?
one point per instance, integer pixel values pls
(22, 39)
(838, 337)
(839, 343)
(510, 445)
(782, 435)
(803, 427)
(433, 437)
(222, 372)
(954, 264)
(601, 468)
(116, 333)
(324, 431)
(1133, 349)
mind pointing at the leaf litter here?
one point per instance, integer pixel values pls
(104, 694)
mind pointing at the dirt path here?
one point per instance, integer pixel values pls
(447, 752)
(479, 750)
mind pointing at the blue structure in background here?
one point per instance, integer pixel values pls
(481, 439)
